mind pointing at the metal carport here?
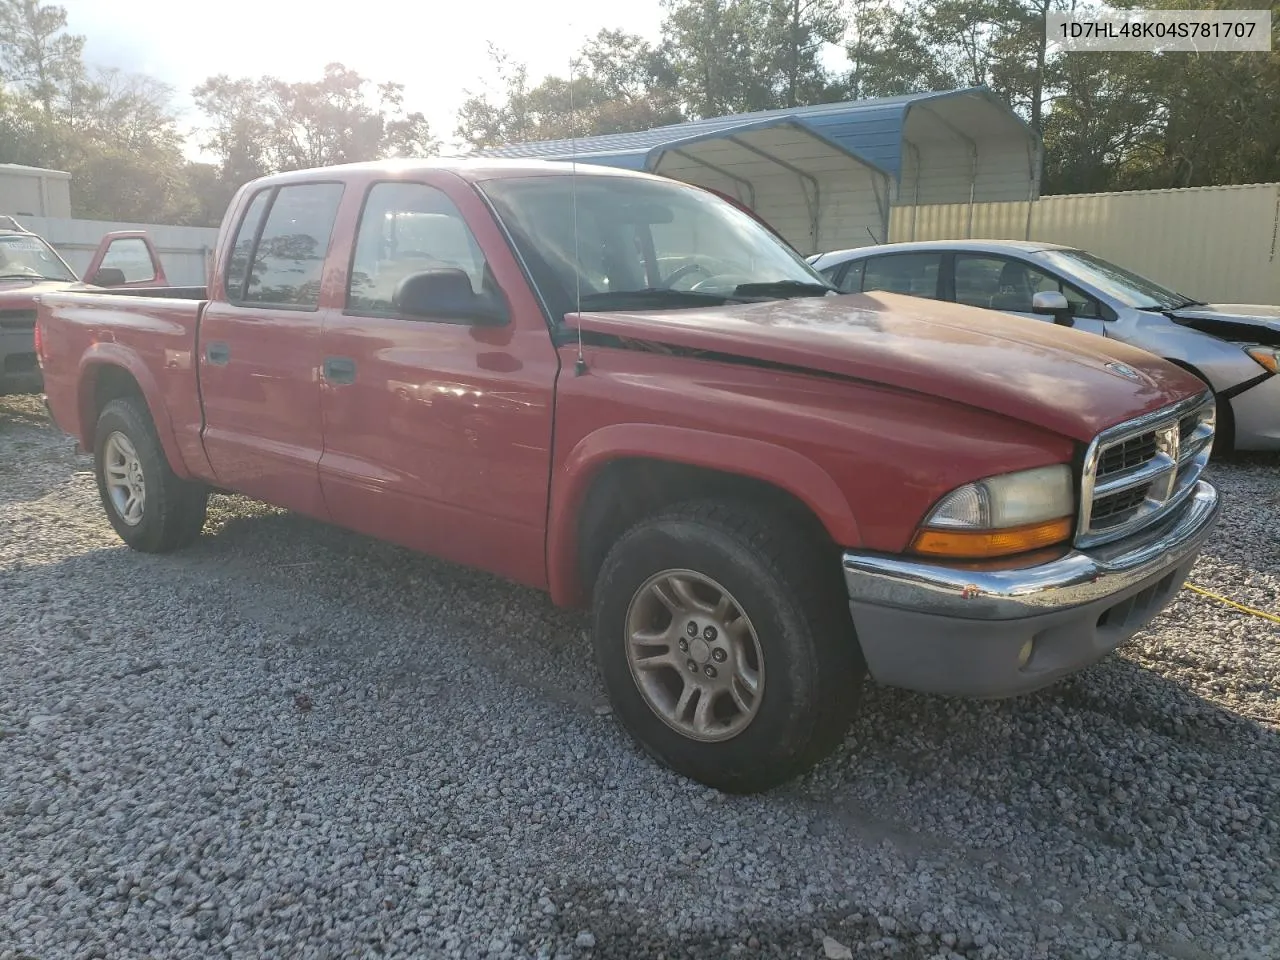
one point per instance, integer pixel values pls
(825, 176)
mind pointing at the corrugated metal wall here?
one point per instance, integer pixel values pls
(1213, 243)
(184, 251)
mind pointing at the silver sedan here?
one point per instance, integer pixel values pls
(1235, 348)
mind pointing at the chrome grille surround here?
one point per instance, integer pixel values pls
(1138, 472)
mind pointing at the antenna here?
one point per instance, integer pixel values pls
(580, 365)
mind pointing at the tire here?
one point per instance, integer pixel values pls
(171, 512)
(797, 623)
(1224, 436)
(1224, 439)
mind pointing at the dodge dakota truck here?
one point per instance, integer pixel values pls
(29, 266)
(625, 391)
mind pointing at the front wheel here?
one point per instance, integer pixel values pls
(149, 506)
(726, 646)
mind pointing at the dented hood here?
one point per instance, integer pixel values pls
(1239, 322)
(1054, 377)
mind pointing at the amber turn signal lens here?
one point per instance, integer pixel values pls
(973, 544)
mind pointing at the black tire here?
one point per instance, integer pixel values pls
(791, 591)
(1224, 439)
(1224, 435)
(173, 512)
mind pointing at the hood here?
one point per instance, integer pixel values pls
(1242, 322)
(1053, 377)
(21, 294)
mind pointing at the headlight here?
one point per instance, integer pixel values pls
(1269, 357)
(1000, 516)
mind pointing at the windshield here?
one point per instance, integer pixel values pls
(26, 256)
(1129, 288)
(644, 244)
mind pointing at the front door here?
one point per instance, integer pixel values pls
(131, 257)
(259, 350)
(1008, 284)
(437, 430)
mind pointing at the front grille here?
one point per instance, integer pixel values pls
(17, 319)
(1136, 473)
(1113, 509)
(1127, 454)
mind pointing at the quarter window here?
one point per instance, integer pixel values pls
(911, 273)
(407, 228)
(238, 264)
(851, 279)
(289, 257)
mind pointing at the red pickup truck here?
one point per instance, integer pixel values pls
(623, 390)
(29, 266)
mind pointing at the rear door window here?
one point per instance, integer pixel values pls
(915, 274)
(288, 258)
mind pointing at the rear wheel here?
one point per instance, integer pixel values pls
(726, 645)
(147, 504)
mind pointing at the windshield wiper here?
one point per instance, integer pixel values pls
(32, 276)
(1188, 302)
(783, 288)
(657, 296)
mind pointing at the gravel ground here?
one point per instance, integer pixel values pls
(292, 741)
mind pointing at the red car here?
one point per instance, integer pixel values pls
(29, 266)
(622, 390)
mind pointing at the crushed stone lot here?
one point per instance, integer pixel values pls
(291, 741)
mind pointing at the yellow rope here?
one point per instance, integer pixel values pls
(1231, 603)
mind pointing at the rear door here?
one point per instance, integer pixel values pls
(437, 430)
(917, 274)
(259, 349)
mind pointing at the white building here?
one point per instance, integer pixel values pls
(34, 192)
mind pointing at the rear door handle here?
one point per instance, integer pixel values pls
(218, 354)
(339, 370)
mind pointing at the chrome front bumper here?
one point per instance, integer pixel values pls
(942, 629)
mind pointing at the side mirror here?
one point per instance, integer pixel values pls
(107, 277)
(1054, 304)
(446, 294)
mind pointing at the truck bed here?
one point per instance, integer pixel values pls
(150, 333)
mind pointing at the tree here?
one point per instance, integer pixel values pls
(790, 38)
(633, 83)
(887, 53)
(123, 149)
(620, 83)
(711, 44)
(264, 125)
(115, 133)
(35, 53)
(237, 133)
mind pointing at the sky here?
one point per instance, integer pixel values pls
(438, 51)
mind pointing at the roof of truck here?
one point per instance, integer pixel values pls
(468, 168)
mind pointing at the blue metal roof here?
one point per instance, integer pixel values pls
(869, 129)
